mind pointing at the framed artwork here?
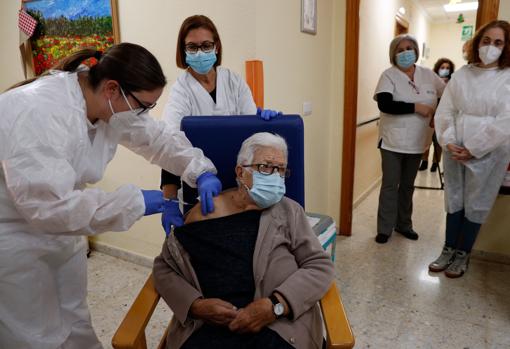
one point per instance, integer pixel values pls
(65, 26)
(309, 16)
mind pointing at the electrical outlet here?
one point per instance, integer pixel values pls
(307, 108)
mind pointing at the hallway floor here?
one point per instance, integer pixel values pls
(391, 299)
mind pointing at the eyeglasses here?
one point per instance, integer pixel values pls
(268, 170)
(205, 47)
(143, 107)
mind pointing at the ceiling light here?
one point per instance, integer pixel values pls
(461, 7)
(402, 10)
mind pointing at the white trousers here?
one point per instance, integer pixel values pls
(43, 291)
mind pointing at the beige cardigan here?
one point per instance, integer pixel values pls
(288, 258)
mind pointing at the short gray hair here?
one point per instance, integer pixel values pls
(259, 140)
(397, 40)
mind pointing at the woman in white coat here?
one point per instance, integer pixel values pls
(58, 133)
(205, 88)
(407, 96)
(473, 127)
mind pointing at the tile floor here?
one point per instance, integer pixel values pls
(391, 299)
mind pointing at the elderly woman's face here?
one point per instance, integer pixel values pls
(267, 157)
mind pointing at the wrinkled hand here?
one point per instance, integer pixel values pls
(153, 200)
(459, 153)
(208, 186)
(213, 310)
(254, 317)
(171, 216)
(424, 110)
(268, 114)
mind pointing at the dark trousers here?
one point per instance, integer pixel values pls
(461, 233)
(396, 197)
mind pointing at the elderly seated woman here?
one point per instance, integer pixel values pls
(250, 274)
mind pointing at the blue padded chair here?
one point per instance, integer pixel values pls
(220, 137)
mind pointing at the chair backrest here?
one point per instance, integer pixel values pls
(220, 138)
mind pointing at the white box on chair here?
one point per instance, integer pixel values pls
(325, 230)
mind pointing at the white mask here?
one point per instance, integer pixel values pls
(131, 111)
(444, 73)
(489, 54)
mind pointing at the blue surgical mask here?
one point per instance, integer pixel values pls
(406, 59)
(201, 62)
(444, 73)
(266, 190)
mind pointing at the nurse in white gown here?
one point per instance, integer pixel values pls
(57, 134)
(473, 127)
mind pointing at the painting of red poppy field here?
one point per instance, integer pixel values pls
(65, 26)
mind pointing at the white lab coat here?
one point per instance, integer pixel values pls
(408, 133)
(49, 151)
(475, 113)
(189, 98)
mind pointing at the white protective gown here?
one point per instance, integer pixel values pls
(474, 112)
(189, 98)
(49, 151)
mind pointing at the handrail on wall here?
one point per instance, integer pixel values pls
(368, 121)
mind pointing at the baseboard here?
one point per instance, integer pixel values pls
(121, 253)
(367, 192)
(490, 257)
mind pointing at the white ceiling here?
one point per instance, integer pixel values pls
(437, 14)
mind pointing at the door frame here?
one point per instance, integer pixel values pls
(487, 11)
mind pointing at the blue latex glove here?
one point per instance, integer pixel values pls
(171, 216)
(208, 186)
(267, 114)
(153, 201)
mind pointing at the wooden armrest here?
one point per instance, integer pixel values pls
(131, 332)
(338, 329)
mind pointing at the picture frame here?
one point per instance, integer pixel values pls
(65, 26)
(309, 16)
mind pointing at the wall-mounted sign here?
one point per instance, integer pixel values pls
(467, 32)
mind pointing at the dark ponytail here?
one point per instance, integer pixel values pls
(131, 65)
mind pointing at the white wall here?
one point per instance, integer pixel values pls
(445, 41)
(11, 70)
(298, 67)
(504, 10)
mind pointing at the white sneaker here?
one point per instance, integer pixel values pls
(459, 265)
(443, 261)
